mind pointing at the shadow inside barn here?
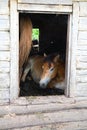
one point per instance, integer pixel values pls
(30, 88)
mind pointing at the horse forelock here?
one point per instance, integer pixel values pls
(50, 59)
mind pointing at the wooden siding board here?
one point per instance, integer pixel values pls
(81, 53)
(4, 38)
(81, 65)
(82, 79)
(5, 48)
(4, 70)
(4, 55)
(83, 23)
(17, 121)
(4, 7)
(4, 93)
(4, 80)
(82, 86)
(4, 101)
(45, 8)
(82, 59)
(65, 2)
(5, 64)
(82, 42)
(82, 35)
(83, 9)
(4, 24)
(82, 48)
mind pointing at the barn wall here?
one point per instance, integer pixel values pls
(81, 59)
(4, 51)
(81, 53)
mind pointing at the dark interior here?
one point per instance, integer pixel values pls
(52, 39)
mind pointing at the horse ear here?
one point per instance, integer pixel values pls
(56, 58)
(45, 55)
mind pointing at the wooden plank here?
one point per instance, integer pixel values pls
(4, 93)
(81, 79)
(68, 54)
(81, 53)
(5, 64)
(5, 47)
(82, 35)
(41, 108)
(4, 7)
(60, 126)
(4, 101)
(4, 24)
(14, 35)
(45, 8)
(79, 0)
(82, 48)
(81, 72)
(4, 70)
(14, 121)
(4, 17)
(4, 36)
(82, 87)
(83, 23)
(63, 2)
(42, 100)
(4, 80)
(82, 58)
(83, 9)
(4, 55)
(73, 49)
(81, 65)
(82, 42)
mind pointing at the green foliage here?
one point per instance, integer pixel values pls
(35, 34)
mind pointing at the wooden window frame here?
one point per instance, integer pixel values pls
(14, 35)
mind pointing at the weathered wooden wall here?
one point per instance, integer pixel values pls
(81, 50)
(81, 59)
(4, 51)
(44, 112)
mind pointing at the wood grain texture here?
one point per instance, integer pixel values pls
(4, 80)
(45, 8)
(65, 2)
(18, 121)
(83, 9)
(73, 49)
(14, 40)
(58, 126)
(83, 23)
(5, 4)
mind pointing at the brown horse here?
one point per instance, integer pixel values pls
(34, 65)
(25, 42)
(53, 75)
(48, 71)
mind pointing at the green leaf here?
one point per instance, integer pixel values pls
(35, 34)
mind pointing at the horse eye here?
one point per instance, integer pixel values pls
(51, 69)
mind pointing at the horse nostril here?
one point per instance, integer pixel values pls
(43, 85)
